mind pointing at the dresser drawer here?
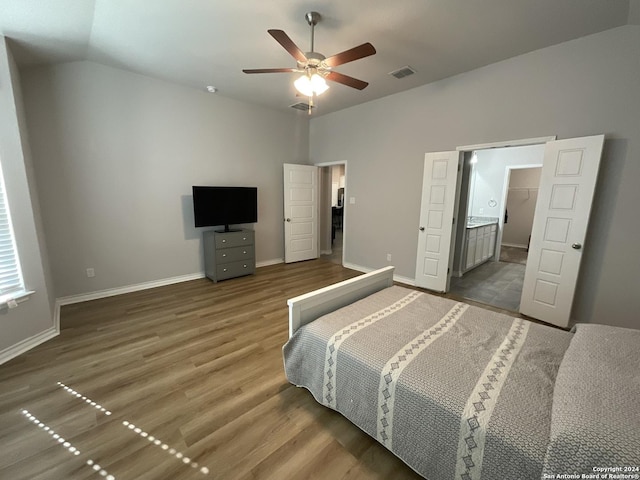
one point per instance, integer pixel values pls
(235, 269)
(234, 239)
(234, 254)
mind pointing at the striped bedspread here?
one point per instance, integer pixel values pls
(455, 391)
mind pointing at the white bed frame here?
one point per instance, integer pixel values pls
(306, 308)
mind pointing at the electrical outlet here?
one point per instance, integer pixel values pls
(91, 272)
(352, 200)
(388, 257)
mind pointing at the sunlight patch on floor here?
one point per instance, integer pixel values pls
(73, 450)
(87, 400)
(171, 451)
(130, 426)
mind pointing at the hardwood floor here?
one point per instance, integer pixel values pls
(193, 379)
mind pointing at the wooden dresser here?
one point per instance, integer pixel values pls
(229, 254)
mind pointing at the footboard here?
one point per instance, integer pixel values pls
(306, 308)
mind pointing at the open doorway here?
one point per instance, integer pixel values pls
(567, 187)
(497, 205)
(332, 212)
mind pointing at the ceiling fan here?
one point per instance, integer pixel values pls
(314, 66)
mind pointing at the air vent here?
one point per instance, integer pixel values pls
(302, 106)
(403, 72)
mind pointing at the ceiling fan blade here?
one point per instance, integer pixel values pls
(271, 70)
(346, 80)
(347, 56)
(284, 40)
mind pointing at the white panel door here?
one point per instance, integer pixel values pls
(436, 219)
(300, 212)
(569, 172)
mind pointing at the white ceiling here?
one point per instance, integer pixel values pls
(208, 42)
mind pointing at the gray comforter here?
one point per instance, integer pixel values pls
(595, 426)
(455, 391)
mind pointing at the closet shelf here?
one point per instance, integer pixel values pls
(523, 189)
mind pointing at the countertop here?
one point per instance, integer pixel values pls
(475, 222)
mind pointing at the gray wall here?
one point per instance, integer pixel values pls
(583, 87)
(35, 315)
(115, 156)
(521, 205)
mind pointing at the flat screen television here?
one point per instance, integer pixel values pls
(217, 206)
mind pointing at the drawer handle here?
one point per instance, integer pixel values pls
(224, 241)
(224, 269)
(224, 254)
(245, 252)
(244, 266)
(244, 238)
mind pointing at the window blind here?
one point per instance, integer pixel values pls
(10, 274)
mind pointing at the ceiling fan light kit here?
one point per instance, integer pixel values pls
(310, 86)
(315, 67)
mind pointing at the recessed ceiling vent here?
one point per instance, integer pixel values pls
(403, 72)
(302, 106)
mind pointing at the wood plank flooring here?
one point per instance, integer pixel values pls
(192, 375)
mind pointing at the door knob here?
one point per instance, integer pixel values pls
(288, 219)
(576, 246)
(422, 229)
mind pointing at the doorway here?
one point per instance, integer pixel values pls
(332, 209)
(567, 186)
(497, 208)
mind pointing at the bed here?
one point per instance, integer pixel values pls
(459, 392)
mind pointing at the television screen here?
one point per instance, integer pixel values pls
(226, 206)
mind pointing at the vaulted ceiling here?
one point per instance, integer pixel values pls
(198, 43)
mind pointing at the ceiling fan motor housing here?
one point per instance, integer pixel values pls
(314, 60)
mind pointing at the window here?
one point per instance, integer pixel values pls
(11, 283)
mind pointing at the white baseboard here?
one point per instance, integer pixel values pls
(111, 292)
(514, 245)
(266, 263)
(396, 278)
(326, 252)
(27, 344)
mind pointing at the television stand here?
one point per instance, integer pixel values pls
(229, 254)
